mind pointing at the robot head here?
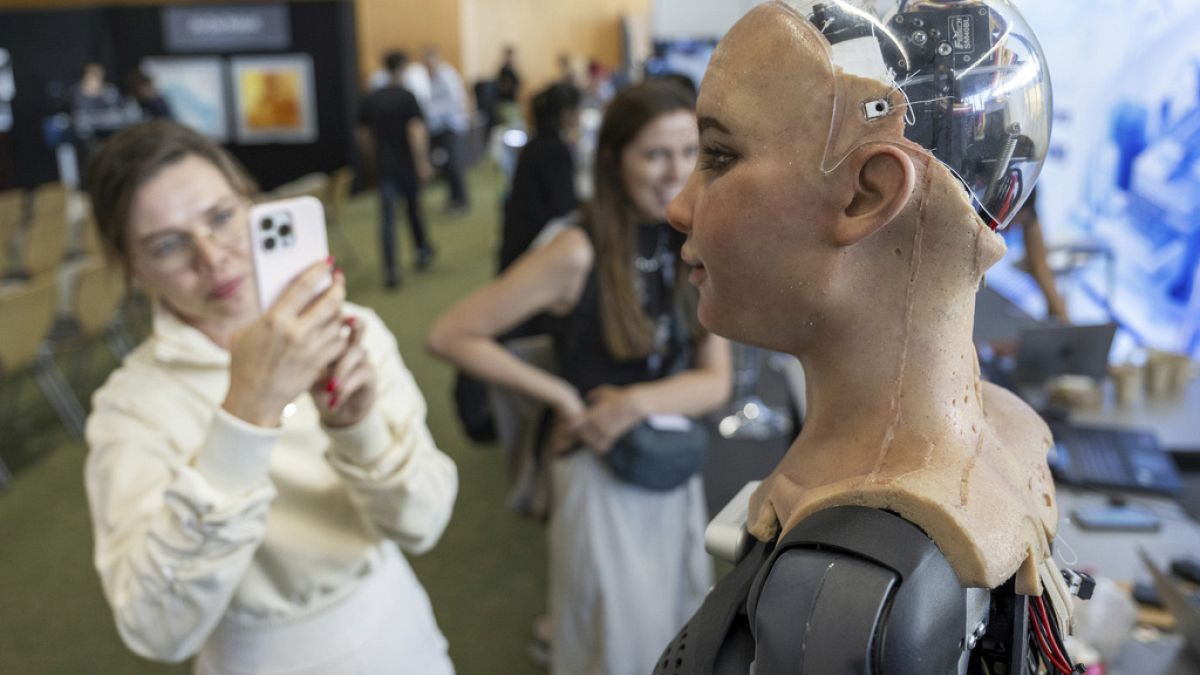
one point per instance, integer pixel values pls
(967, 77)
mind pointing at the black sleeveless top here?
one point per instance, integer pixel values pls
(583, 357)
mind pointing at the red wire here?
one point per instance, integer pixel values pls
(1041, 605)
(1042, 641)
(1008, 201)
(1059, 656)
(1012, 193)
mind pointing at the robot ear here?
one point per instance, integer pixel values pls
(881, 178)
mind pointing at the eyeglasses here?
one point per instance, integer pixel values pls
(172, 252)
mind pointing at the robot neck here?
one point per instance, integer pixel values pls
(917, 380)
(897, 370)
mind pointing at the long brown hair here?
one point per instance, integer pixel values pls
(612, 220)
(132, 157)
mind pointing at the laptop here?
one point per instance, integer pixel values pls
(998, 319)
(1047, 351)
(1112, 459)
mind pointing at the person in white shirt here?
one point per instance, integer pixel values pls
(446, 114)
(253, 476)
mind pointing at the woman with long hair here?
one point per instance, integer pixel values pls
(627, 564)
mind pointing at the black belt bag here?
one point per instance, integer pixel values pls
(659, 459)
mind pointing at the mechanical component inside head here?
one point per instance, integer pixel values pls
(968, 76)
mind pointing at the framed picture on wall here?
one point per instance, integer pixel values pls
(274, 99)
(195, 90)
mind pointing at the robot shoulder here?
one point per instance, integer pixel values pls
(857, 590)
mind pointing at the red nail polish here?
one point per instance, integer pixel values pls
(329, 260)
(331, 385)
(333, 400)
(352, 321)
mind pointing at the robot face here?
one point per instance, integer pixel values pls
(967, 78)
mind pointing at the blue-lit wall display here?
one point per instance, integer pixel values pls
(1124, 166)
(683, 57)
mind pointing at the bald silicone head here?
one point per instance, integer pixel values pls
(771, 73)
(786, 245)
(866, 269)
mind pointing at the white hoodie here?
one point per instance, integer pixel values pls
(198, 515)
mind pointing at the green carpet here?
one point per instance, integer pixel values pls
(486, 577)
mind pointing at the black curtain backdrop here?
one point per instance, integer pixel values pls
(49, 49)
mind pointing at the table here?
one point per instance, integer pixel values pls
(1115, 555)
(1175, 420)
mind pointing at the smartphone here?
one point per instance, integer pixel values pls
(286, 237)
(1116, 519)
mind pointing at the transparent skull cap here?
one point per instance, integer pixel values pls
(966, 77)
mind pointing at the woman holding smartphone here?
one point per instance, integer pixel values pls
(253, 476)
(627, 563)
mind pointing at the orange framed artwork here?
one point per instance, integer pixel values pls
(274, 99)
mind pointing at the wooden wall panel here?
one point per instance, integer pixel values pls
(541, 30)
(384, 25)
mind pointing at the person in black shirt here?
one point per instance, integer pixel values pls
(508, 83)
(152, 103)
(543, 186)
(402, 152)
(97, 112)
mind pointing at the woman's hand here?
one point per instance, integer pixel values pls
(568, 416)
(345, 394)
(281, 354)
(611, 412)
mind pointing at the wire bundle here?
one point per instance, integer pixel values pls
(1010, 188)
(1047, 640)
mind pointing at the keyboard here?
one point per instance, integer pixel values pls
(1117, 459)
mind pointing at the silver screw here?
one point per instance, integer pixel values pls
(919, 38)
(944, 49)
(973, 638)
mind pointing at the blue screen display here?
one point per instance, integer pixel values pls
(1119, 198)
(683, 57)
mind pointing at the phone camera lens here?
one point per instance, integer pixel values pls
(285, 230)
(269, 243)
(267, 224)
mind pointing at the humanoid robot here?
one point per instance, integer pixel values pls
(909, 527)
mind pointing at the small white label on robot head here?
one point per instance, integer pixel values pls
(876, 109)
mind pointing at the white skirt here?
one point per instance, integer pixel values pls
(384, 627)
(627, 567)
